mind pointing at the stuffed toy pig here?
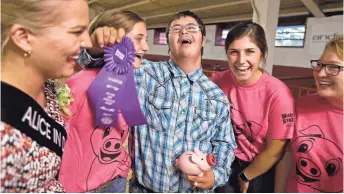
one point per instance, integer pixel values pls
(195, 163)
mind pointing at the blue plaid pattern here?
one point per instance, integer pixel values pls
(183, 111)
(86, 61)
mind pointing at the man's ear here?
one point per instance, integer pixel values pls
(21, 36)
(203, 41)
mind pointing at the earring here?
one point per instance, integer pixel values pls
(27, 53)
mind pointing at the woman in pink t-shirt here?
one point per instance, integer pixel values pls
(261, 110)
(314, 160)
(94, 158)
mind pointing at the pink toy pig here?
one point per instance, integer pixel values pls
(195, 163)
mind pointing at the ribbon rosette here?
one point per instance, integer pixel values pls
(113, 90)
(120, 57)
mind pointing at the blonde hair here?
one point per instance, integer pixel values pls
(115, 19)
(337, 43)
(32, 14)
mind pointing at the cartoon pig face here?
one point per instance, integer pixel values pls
(106, 144)
(318, 162)
(244, 129)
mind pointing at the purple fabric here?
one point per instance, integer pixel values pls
(113, 90)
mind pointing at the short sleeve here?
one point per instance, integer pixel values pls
(216, 79)
(281, 115)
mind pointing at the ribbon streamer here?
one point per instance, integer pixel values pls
(113, 90)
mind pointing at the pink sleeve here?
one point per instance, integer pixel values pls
(281, 115)
(216, 78)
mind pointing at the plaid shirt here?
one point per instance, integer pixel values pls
(183, 111)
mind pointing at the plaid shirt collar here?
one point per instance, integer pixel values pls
(177, 72)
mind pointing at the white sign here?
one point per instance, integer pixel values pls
(321, 32)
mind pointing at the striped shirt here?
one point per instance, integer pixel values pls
(183, 111)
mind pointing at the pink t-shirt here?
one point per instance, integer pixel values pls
(317, 147)
(259, 111)
(92, 156)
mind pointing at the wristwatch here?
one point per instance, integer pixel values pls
(243, 177)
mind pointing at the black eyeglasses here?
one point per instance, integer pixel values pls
(330, 68)
(190, 28)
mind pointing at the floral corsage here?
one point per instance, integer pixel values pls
(64, 96)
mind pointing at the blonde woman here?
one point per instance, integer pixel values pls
(314, 161)
(40, 40)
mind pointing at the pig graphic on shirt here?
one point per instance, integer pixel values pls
(245, 131)
(318, 161)
(109, 154)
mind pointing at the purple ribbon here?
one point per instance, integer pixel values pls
(113, 90)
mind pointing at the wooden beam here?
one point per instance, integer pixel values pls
(313, 8)
(221, 5)
(293, 14)
(153, 26)
(132, 5)
(212, 20)
(234, 18)
(288, 12)
(332, 9)
(202, 8)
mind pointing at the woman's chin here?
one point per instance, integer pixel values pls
(327, 93)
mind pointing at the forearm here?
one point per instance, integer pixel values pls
(222, 169)
(282, 172)
(261, 164)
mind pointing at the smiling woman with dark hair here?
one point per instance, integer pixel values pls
(261, 135)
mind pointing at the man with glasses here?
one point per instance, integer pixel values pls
(184, 110)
